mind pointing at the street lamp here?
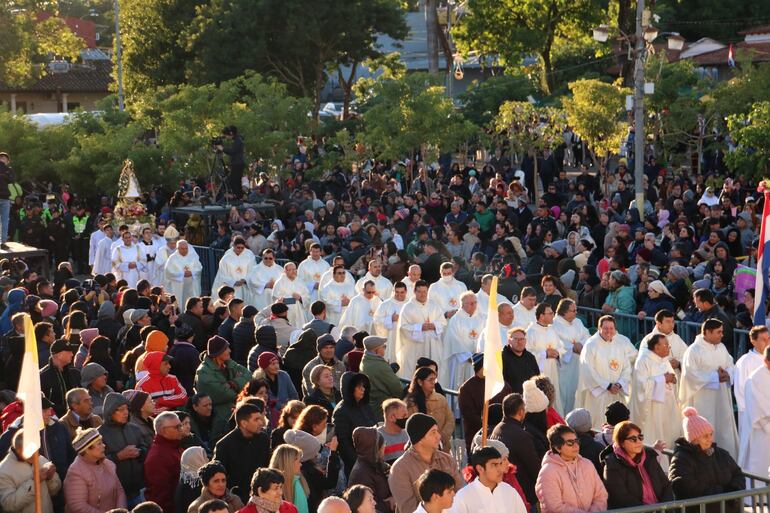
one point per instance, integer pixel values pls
(642, 39)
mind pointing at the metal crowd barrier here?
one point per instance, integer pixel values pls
(209, 258)
(636, 329)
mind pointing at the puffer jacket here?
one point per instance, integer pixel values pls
(93, 487)
(370, 469)
(298, 355)
(17, 490)
(161, 472)
(624, 483)
(212, 380)
(15, 301)
(350, 414)
(116, 437)
(558, 493)
(695, 474)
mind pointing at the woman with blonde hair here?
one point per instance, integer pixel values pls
(288, 459)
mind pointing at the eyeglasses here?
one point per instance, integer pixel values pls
(572, 442)
(635, 438)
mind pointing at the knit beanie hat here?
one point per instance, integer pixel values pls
(216, 346)
(693, 425)
(90, 372)
(579, 419)
(156, 341)
(418, 425)
(265, 359)
(88, 335)
(84, 438)
(266, 336)
(307, 443)
(616, 413)
(495, 444)
(535, 400)
(48, 307)
(325, 341)
(248, 312)
(136, 399)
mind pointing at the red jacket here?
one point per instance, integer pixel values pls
(286, 507)
(166, 391)
(161, 472)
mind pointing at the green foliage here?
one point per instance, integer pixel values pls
(25, 43)
(751, 135)
(737, 95)
(595, 111)
(514, 29)
(720, 20)
(405, 114)
(482, 100)
(529, 127)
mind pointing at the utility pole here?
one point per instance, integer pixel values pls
(639, 109)
(119, 56)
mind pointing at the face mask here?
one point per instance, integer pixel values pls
(322, 437)
(447, 279)
(401, 423)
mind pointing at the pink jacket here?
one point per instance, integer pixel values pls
(559, 493)
(91, 488)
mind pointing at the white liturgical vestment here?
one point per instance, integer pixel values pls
(701, 388)
(286, 288)
(310, 272)
(654, 404)
(332, 294)
(183, 287)
(233, 268)
(569, 364)
(539, 339)
(360, 313)
(261, 275)
(460, 340)
(522, 317)
(446, 293)
(122, 256)
(745, 367)
(602, 363)
(412, 342)
(382, 285)
(755, 424)
(385, 327)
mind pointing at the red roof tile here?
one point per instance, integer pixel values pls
(94, 78)
(757, 52)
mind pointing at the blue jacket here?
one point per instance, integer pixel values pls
(15, 304)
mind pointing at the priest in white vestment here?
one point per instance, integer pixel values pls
(413, 275)
(292, 292)
(482, 296)
(664, 325)
(546, 345)
(386, 319)
(263, 278)
(127, 260)
(310, 271)
(236, 267)
(505, 322)
(654, 404)
(166, 249)
(94, 239)
(183, 273)
(103, 252)
(420, 328)
(383, 285)
(360, 311)
(707, 373)
(149, 247)
(759, 336)
(446, 291)
(755, 426)
(605, 372)
(337, 295)
(460, 340)
(524, 310)
(328, 275)
(573, 335)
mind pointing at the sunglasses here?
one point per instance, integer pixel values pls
(572, 442)
(635, 438)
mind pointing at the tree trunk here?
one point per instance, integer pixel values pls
(431, 26)
(627, 24)
(317, 86)
(347, 88)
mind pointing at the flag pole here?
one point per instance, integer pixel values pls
(36, 480)
(484, 422)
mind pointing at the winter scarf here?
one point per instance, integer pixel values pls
(648, 492)
(265, 505)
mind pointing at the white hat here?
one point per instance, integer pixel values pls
(535, 400)
(659, 287)
(171, 233)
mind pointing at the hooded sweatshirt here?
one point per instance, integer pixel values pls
(298, 354)
(350, 414)
(569, 486)
(15, 303)
(370, 469)
(116, 437)
(166, 391)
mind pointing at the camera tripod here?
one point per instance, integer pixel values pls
(219, 175)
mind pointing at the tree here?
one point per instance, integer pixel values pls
(723, 21)
(515, 29)
(531, 129)
(410, 113)
(26, 43)
(751, 135)
(482, 100)
(595, 111)
(155, 52)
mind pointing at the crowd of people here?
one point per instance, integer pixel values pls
(339, 380)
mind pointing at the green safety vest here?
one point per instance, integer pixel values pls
(79, 223)
(14, 190)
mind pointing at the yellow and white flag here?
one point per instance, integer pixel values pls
(29, 391)
(493, 349)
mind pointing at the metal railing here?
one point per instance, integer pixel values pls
(636, 329)
(754, 499)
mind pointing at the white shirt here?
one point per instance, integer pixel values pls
(477, 498)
